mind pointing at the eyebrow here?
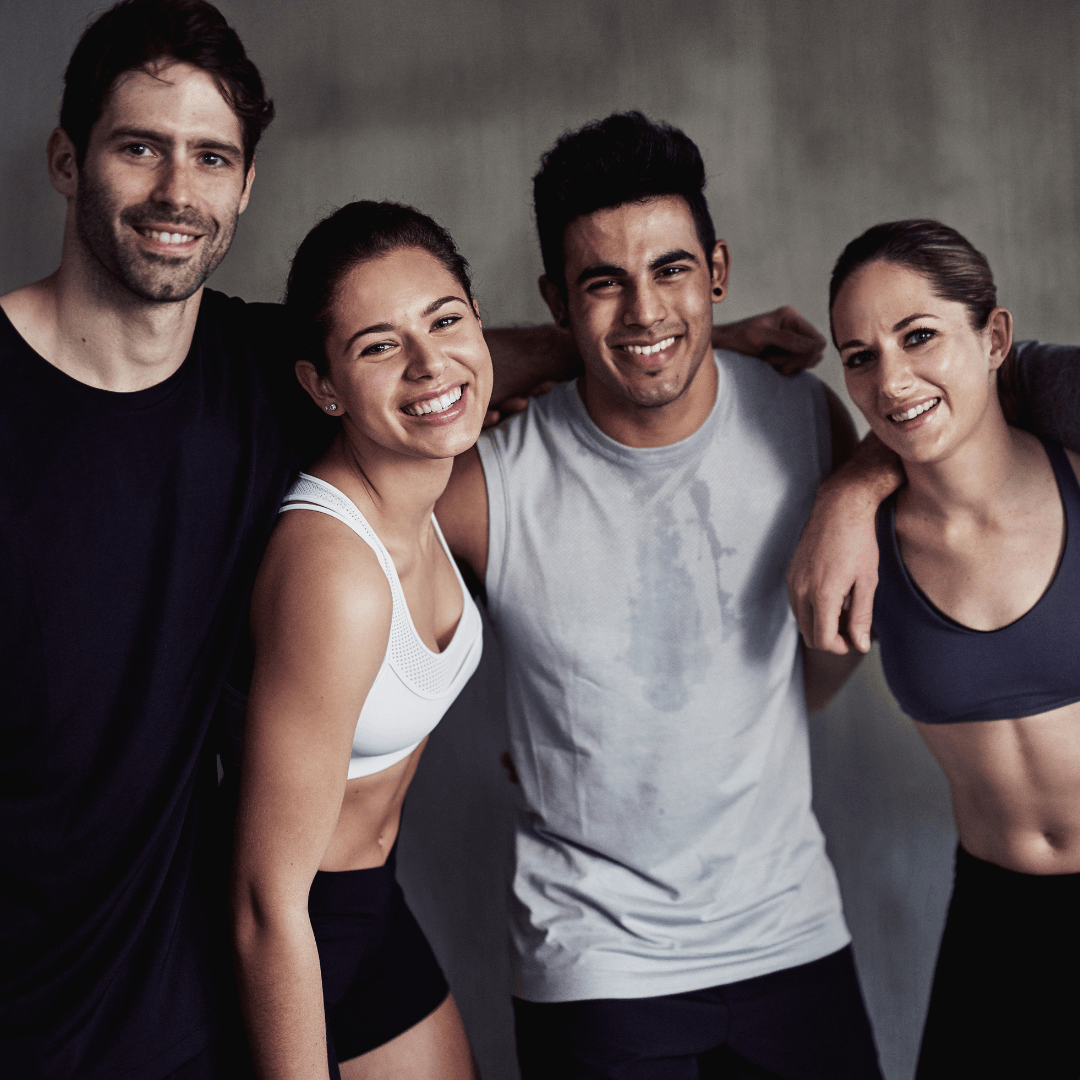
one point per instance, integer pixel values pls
(896, 329)
(385, 327)
(611, 270)
(147, 135)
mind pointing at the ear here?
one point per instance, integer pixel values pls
(320, 388)
(555, 300)
(63, 170)
(721, 264)
(1000, 328)
(246, 193)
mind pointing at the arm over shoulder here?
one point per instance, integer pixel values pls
(1040, 389)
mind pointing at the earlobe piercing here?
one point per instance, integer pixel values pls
(331, 407)
(718, 291)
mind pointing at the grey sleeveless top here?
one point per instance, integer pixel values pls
(665, 840)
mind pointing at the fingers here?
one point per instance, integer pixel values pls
(861, 612)
(491, 418)
(787, 318)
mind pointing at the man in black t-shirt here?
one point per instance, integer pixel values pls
(144, 462)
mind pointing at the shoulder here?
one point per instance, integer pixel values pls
(320, 580)
(755, 377)
(536, 426)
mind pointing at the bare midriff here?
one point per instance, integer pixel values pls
(370, 817)
(1015, 788)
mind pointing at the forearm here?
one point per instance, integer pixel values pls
(280, 983)
(523, 358)
(836, 557)
(869, 476)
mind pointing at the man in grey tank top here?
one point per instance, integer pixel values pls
(674, 913)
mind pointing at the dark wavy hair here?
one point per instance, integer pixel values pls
(137, 34)
(620, 159)
(956, 270)
(355, 233)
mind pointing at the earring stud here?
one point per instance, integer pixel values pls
(331, 407)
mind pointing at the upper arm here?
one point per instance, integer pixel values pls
(842, 435)
(462, 512)
(1040, 390)
(320, 619)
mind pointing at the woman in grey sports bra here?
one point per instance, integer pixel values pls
(364, 634)
(978, 614)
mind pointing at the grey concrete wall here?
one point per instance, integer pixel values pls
(816, 118)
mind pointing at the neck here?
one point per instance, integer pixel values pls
(980, 478)
(656, 425)
(92, 328)
(396, 493)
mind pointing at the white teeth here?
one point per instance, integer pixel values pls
(169, 238)
(434, 405)
(649, 350)
(916, 410)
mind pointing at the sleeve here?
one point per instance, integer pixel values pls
(1047, 384)
(307, 429)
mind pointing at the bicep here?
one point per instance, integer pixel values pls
(462, 512)
(320, 623)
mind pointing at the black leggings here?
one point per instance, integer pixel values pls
(379, 974)
(1006, 996)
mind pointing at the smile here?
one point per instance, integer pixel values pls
(434, 405)
(167, 237)
(915, 410)
(649, 350)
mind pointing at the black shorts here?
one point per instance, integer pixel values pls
(805, 1023)
(1006, 996)
(379, 974)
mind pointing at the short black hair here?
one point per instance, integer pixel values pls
(137, 34)
(357, 232)
(620, 159)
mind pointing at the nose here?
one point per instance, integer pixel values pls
(174, 185)
(426, 359)
(644, 305)
(895, 376)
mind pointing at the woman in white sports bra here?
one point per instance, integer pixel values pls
(364, 634)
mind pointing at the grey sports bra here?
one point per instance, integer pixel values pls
(414, 686)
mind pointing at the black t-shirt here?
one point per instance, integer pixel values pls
(131, 526)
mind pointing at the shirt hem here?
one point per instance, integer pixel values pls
(595, 983)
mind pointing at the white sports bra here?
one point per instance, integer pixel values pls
(415, 686)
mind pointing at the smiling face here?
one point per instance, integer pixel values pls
(639, 296)
(918, 371)
(162, 183)
(408, 366)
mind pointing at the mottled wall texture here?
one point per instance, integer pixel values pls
(817, 118)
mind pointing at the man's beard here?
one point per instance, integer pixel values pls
(150, 276)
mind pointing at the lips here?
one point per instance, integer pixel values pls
(435, 405)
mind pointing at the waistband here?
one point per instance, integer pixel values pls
(972, 868)
(353, 892)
